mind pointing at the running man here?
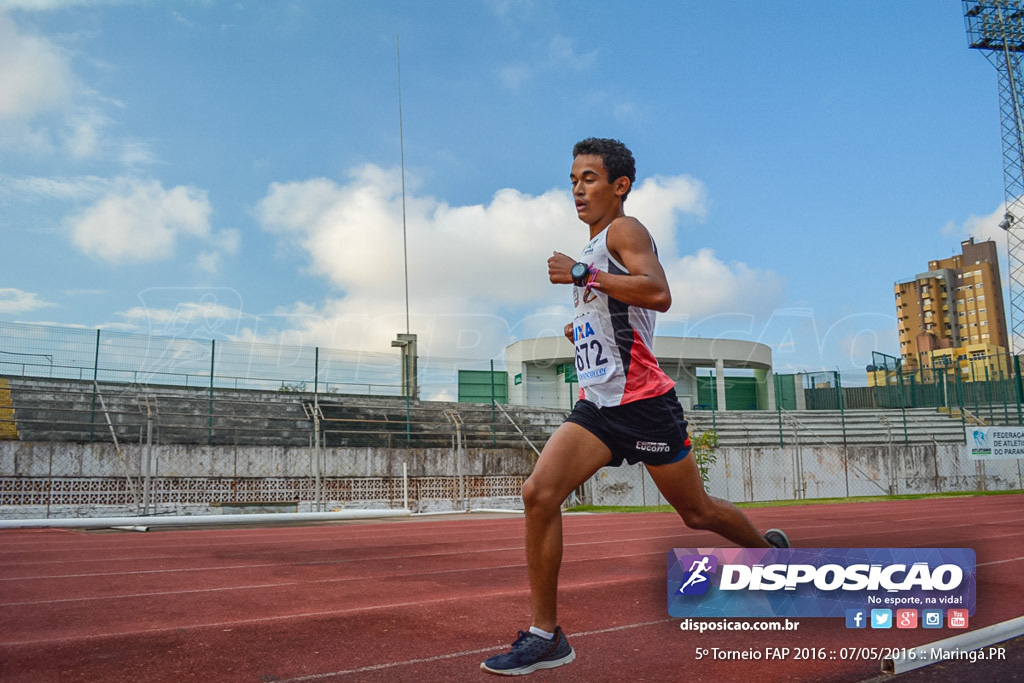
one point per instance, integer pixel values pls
(629, 411)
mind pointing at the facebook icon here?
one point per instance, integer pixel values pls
(856, 618)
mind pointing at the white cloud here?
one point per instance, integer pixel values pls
(983, 228)
(33, 188)
(560, 56)
(478, 273)
(225, 242)
(353, 235)
(82, 134)
(46, 5)
(704, 285)
(208, 262)
(45, 109)
(34, 74)
(563, 54)
(626, 111)
(138, 220)
(18, 301)
(514, 76)
(184, 314)
(658, 203)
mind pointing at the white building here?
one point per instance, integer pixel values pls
(537, 369)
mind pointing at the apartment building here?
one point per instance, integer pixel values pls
(958, 302)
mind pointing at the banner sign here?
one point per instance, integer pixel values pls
(817, 582)
(989, 443)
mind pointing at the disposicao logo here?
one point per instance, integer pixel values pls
(696, 581)
(818, 582)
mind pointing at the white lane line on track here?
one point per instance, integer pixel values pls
(455, 655)
(330, 580)
(593, 526)
(994, 562)
(334, 562)
(352, 578)
(480, 528)
(926, 522)
(460, 553)
(340, 579)
(128, 596)
(304, 615)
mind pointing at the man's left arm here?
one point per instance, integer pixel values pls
(646, 285)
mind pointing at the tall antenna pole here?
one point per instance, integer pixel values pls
(401, 146)
(996, 27)
(407, 341)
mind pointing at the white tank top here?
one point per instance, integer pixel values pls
(615, 362)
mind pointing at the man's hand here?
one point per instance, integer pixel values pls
(559, 267)
(568, 332)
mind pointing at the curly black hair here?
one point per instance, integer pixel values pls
(617, 158)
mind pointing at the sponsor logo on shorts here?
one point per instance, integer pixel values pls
(652, 446)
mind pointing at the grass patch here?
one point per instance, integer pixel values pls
(808, 501)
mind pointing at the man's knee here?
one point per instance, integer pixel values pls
(537, 495)
(702, 517)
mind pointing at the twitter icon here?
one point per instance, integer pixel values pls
(881, 618)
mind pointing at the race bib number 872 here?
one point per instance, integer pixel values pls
(594, 364)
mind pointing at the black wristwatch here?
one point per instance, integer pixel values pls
(579, 273)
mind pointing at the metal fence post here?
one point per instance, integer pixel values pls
(147, 461)
(209, 417)
(778, 407)
(974, 389)
(903, 406)
(494, 400)
(960, 394)
(407, 390)
(1020, 388)
(95, 388)
(1004, 367)
(842, 411)
(988, 388)
(319, 499)
(712, 387)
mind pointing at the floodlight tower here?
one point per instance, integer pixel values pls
(996, 27)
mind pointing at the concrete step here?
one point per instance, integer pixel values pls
(70, 410)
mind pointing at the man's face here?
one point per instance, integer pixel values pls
(597, 199)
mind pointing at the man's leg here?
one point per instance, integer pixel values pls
(571, 456)
(682, 487)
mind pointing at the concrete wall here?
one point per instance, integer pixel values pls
(768, 474)
(44, 459)
(744, 474)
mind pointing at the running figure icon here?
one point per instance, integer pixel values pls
(696, 570)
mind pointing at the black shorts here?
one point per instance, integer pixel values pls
(651, 430)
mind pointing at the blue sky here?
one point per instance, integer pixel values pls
(232, 169)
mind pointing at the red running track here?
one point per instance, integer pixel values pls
(427, 599)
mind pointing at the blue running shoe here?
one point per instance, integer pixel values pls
(776, 538)
(531, 652)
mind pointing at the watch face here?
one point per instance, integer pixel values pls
(579, 271)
